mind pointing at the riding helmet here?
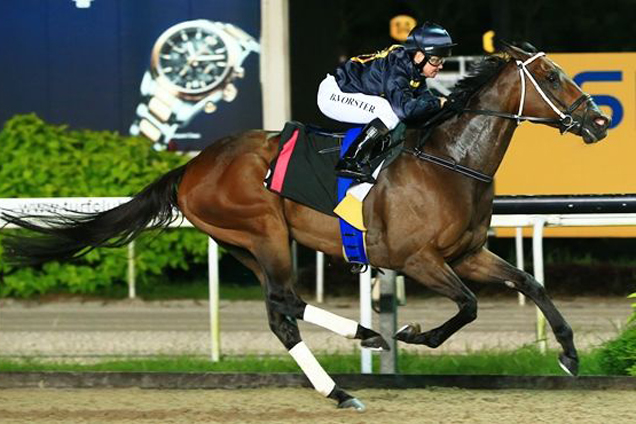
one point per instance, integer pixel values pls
(431, 39)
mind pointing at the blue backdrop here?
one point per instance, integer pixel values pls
(83, 67)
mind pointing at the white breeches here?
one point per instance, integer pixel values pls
(354, 108)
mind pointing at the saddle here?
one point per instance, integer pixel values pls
(304, 167)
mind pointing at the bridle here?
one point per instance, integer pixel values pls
(564, 120)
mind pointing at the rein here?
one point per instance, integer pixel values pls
(450, 164)
(565, 120)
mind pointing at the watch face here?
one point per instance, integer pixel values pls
(192, 57)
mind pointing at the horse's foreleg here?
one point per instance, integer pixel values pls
(486, 267)
(435, 274)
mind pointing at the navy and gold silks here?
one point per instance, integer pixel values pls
(389, 73)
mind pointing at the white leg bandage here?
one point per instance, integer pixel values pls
(312, 369)
(339, 325)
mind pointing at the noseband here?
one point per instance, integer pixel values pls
(565, 120)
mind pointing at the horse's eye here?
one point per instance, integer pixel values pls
(553, 78)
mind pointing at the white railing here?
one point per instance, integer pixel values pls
(58, 206)
(52, 206)
(538, 222)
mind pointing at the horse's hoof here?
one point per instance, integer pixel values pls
(569, 365)
(375, 343)
(407, 332)
(352, 403)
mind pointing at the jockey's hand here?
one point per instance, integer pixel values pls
(442, 100)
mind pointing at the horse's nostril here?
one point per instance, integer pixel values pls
(600, 121)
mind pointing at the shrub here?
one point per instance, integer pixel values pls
(632, 319)
(618, 356)
(42, 160)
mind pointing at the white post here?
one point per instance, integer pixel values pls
(365, 318)
(320, 277)
(213, 283)
(275, 73)
(132, 292)
(388, 320)
(519, 249)
(537, 255)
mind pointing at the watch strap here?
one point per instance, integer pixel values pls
(246, 42)
(157, 114)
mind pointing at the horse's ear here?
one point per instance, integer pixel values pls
(514, 51)
(526, 46)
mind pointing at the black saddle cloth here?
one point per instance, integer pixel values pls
(304, 168)
(305, 171)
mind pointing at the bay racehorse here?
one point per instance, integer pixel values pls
(424, 220)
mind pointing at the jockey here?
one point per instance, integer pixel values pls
(383, 88)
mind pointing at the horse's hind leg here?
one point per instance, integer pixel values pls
(286, 301)
(272, 264)
(343, 326)
(486, 267)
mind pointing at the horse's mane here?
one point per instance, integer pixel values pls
(479, 74)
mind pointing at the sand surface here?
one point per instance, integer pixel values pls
(299, 406)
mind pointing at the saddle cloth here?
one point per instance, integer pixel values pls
(304, 168)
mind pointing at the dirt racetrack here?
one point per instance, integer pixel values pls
(300, 406)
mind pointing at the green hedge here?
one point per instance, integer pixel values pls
(631, 369)
(42, 160)
(618, 356)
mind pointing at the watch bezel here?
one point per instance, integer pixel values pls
(192, 94)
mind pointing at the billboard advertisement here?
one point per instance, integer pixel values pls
(541, 162)
(150, 67)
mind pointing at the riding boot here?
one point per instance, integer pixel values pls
(355, 163)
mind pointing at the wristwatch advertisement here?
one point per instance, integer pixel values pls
(193, 67)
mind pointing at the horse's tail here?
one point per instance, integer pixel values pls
(65, 238)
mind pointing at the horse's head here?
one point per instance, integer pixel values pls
(549, 96)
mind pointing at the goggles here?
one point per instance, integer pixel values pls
(436, 60)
